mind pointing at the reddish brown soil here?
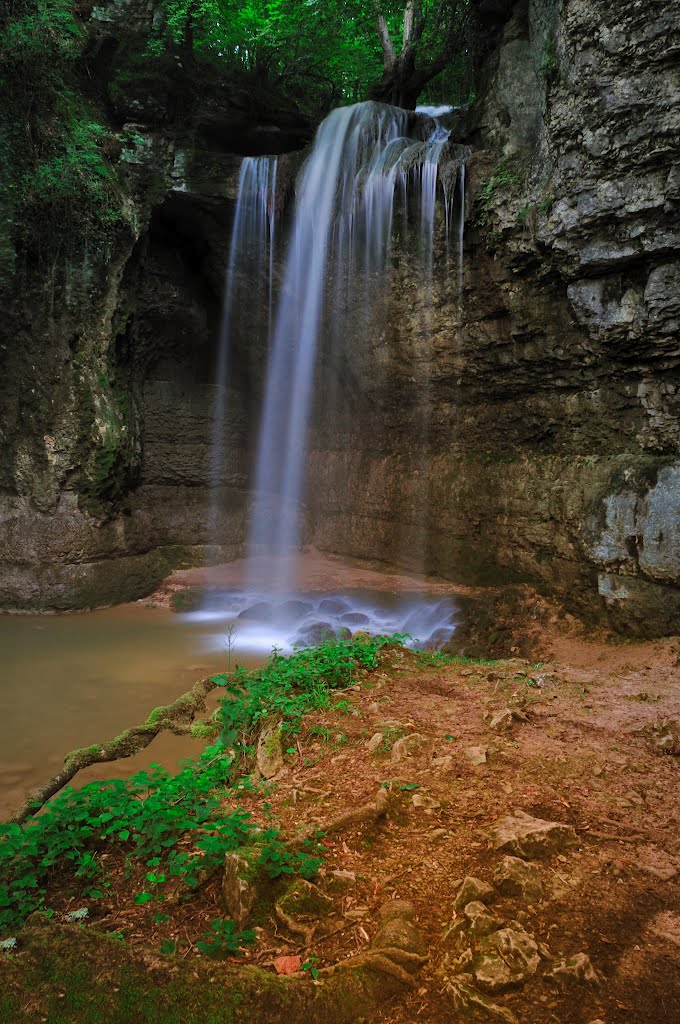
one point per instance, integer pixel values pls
(580, 758)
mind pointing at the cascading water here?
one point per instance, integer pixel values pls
(342, 223)
(366, 161)
(249, 267)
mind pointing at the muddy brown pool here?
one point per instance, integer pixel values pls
(75, 679)
(72, 680)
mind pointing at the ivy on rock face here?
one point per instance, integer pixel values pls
(56, 183)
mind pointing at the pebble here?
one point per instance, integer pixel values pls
(374, 742)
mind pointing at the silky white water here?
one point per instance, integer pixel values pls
(249, 272)
(367, 162)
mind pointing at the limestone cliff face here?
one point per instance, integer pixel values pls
(553, 386)
(526, 427)
(107, 353)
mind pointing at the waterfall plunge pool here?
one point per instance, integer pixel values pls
(79, 678)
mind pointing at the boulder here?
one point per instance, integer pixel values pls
(514, 877)
(473, 890)
(374, 742)
(269, 753)
(238, 886)
(397, 930)
(468, 1000)
(510, 956)
(529, 837)
(481, 921)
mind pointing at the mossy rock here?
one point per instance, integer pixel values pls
(188, 600)
(303, 898)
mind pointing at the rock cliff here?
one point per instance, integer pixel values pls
(552, 451)
(530, 432)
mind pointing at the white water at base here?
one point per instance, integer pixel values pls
(261, 620)
(366, 160)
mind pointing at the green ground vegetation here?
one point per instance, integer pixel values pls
(173, 830)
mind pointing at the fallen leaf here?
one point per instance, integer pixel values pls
(287, 964)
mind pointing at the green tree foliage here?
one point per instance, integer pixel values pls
(55, 180)
(57, 186)
(335, 48)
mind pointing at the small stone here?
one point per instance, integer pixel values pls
(529, 837)
(500, 720)
(375, 741)
(269, 754)
(634, 798)
(238, 887)
(356, 913)
(473, 890)
(476, 755)
(407, 745)
(574, 968)
(481, 920)
(427, 803)
(514, 877)
(442, 762)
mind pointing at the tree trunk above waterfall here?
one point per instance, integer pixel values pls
(402, 81)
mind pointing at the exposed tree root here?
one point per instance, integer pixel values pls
(367, 813)
(176, 718)
(99, 976)
(293, 926)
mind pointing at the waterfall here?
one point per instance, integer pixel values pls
(249, 267)
(363, 158)
(374, 172)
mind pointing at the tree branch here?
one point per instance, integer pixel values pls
(175, 718)
(389, 56)
(414, 23)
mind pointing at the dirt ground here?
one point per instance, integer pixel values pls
(582, 757)
(579, 748)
